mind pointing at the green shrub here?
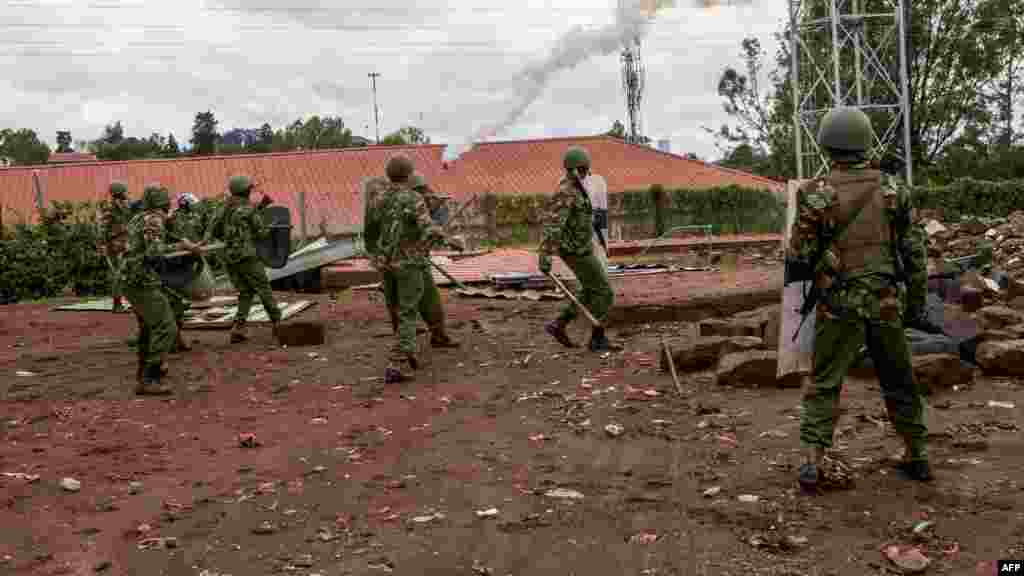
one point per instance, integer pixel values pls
(970, 197)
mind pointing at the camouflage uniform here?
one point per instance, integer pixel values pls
(143, 288)
(398, 234)
(239, 225)
(181, 225)
(873, 278)
(114, 228)
(568, 220)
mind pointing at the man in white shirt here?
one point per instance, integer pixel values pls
(597, 188)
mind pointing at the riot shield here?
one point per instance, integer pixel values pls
(179, 272)
(275, 248)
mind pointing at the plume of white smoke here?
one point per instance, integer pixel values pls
(632, 20)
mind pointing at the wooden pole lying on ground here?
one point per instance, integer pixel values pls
(578, 304)
(672, 366)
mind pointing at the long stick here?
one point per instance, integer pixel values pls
(447, 275)
(459, 211)
(672, 366)
(578, 304)
(204, 250)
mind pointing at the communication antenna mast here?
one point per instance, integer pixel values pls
(633, 76)
(843, 55)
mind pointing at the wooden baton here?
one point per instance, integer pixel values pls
(578, 304)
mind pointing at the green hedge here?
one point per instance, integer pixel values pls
(41, 260)
(728, 209)
(970, 197)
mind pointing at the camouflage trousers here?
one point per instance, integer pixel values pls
(837, 344)
(179, 304)
(249, 277)
(594, 292)
(116, 264)
(429, 306)
(157, 329)
(411, 292)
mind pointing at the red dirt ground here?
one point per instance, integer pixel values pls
(347, 472)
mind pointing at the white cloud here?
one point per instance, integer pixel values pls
(152, 64)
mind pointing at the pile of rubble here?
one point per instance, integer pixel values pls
(1005, 237)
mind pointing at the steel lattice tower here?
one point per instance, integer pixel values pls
(633, 76)
(846, 55)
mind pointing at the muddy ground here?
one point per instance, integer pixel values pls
(496, 460)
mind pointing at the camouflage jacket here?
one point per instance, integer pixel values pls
(114, 218)
(146, 243)
(183, 224)
(239, 226)
(867, 289)
(568, 219)
(398, 230)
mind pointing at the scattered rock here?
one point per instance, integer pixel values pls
(70, 484)
(564, 494)
(996, 317)
(937, 372)
(614, 430)
(134, 487)
(748, 498)
(266, 527)
(1003, 357)
(752, 368)
(303, 561)
(487, 513)
(103, 566)
(705, 352)
(712, 492)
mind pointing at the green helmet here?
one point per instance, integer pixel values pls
(846, 130)
(399, 168)
(155, 197)
(576, 157)
(118, 190)
(417, 180)
(240, 185)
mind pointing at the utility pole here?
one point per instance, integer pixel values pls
(376, 121)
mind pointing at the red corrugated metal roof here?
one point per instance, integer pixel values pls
(331, 179)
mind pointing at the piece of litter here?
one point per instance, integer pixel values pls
(644, 538)
(749, 498)
(922, 527)
(910, 560)
(773, 434)
(428, 518)
(712, 492)
(614, 430)
(487, 513)
(564, 493)
(24, 373)
(70, 484)
(996, 404)
(318, 421)
(22, 476)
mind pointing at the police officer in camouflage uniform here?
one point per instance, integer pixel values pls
(398, 234)
(855, 235)
(568, 231)
(239, 225)
(181, 225)
(144, 289)
(114, 227)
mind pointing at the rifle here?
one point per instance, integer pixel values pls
(799, 271)
(955, 267)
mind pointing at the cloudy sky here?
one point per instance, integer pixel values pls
(451, 67)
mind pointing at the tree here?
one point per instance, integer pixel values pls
(113, 134)
(114, 145)
(312, 134)
(23, 147)
(205, 136)
(618, 131)
(64, 141)
(408, 135)
(171, 149)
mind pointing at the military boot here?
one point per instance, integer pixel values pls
(401, 370)
(238, 332)
(914, 466)
(808, 475)
(150, 385)
(556, 329)
(439, 338)
(599, 342)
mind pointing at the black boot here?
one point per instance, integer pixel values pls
(918, 470)
(556, 330)
(150, 385)
(599, 342)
